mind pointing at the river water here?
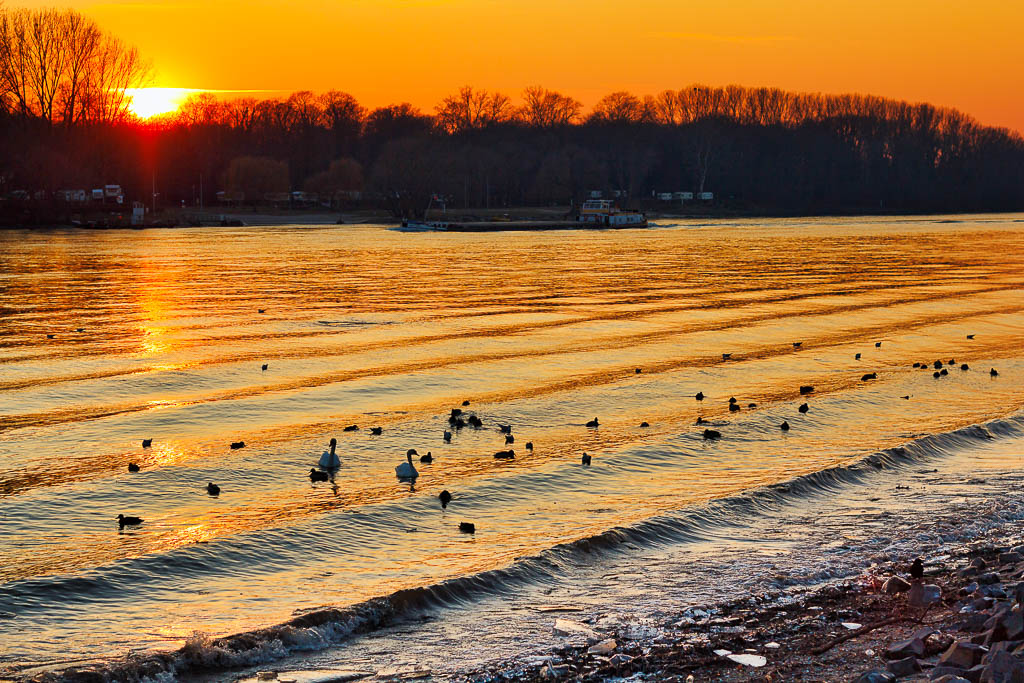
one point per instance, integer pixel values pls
(108, 338)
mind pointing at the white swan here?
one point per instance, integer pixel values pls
(330, 459)
(406, 470)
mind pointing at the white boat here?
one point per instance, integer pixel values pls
(421, 226)
(603, 212)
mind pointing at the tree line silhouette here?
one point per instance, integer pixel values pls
(65, 122)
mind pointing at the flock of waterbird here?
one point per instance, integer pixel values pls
(330, 462)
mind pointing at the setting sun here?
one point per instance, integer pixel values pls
(150, 102)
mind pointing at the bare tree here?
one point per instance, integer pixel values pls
(618, 107)
(546, 108)
(472, 109)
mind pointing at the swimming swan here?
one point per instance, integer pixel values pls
(406, 470)
(330, 459)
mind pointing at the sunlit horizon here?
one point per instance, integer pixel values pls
(147, 103)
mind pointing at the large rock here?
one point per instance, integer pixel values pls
(1003, 667)
(895, 584)
(924, 594)
(962, 654)
(903, 667)
(1010, 558)
(912, 647)
(606, 646)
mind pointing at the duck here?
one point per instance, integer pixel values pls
(447, 436)
(261, 310)
(593, 423)
(804, 408)
(699, 396)
(509, 439)
(856, 356)
(123, 521)
(936, 374)
(235, 445)
(505, 455)
(475, 422)
(806, 389)
(330, 459)
(428, 458)
(213, 489)
(944, 372)
(265, 366)
(406, 469)
(376, 431)
(132, 467)
(937, 364)
(784, 426)
(733, 407)
(638, 371)
(644, 424)
(726, 356)
(732, 399)
(585, 459)
(870, 375)
(146, 443)
(965, 366)
(917, 365)
(878, 345)
(457, 422)
(465, 403)
(505, 429)
(700, 420)
(797, 345)
(455, 413)
(993, 372)
(906, 398)
(712, 434)
(951, 362)
(51, 336)
(467, 527)
(445, 498)
(316, 475)
(529, 445)
(351, 428)
(970, 336)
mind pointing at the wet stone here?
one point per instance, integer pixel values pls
(923, 595)
(903, 667)
(905, 648)
(962, 655)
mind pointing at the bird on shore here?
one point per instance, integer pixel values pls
(509, 439)
(123, 521)
(784, 426)
(376, 431)
(529, 445)
(447, 436)
(804, 408)
(213, 489)
(467, 527)
(266, 365)
(146, 443)
(445, 498)
(315, 475)
(917, 569)
(406, 469)
(585, 459)
(132, 467)
(235, 445)
(329, 459)
(699, 396)
(593, 423)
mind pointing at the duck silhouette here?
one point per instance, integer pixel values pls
(593, 423)
(467, 527)
(447, 436)
(132, 467)
(509, 439)
(123, 521)
(585, 459)
(445, 498)
(235, 445)
(316, 475)
(784, 426)
(146, 443)
(529, 445)
(712, 434)
(376, 431)
(699, 396)
(213, 489)
(428, 458)
(804, 408)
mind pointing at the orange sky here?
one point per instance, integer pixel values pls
(968, 55)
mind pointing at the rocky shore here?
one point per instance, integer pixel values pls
(962, 621)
